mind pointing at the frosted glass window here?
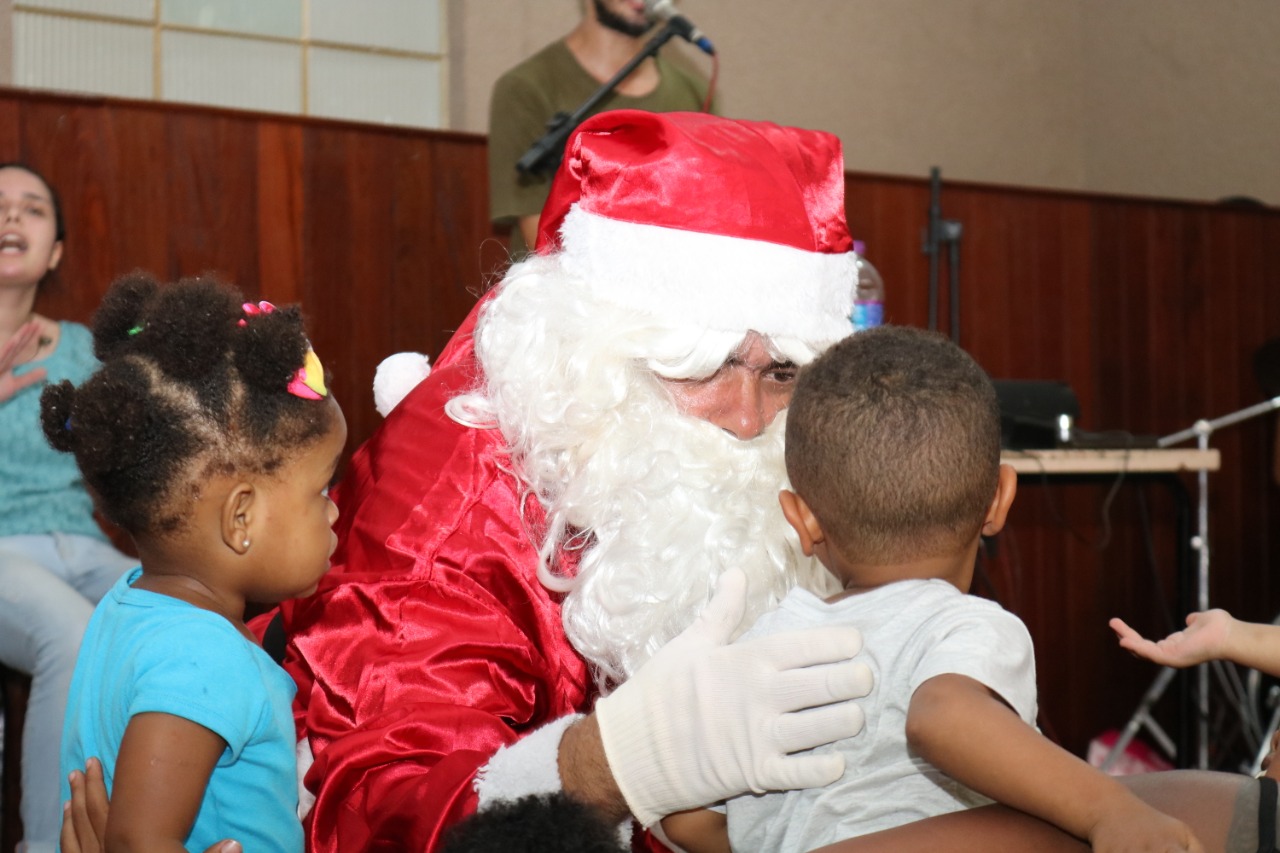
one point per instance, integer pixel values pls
(143, 10)
(409, 25)
(375, 88)
(67, 54)
(264, 17)
(231, 72)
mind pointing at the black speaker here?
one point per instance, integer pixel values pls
(1030, 410)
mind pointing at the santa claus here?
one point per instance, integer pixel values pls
(544, 518)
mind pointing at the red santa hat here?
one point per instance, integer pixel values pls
(733, 225)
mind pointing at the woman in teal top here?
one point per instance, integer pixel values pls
(55, 562)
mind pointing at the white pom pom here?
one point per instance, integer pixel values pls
(395, 377)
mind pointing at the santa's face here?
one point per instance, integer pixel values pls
(744, 395)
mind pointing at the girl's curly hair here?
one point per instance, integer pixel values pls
(190, 386)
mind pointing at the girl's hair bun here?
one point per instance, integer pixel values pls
(271, 348)
(189, 328)
(56, 402)
(119, 318)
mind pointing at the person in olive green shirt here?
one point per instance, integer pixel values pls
(559, 78)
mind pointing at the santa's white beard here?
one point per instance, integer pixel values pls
(655, 503)
(670, 504)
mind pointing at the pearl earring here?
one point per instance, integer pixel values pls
(246, 544)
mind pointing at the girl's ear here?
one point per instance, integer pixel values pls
(236, 517)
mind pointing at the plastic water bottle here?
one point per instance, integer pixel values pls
(868, 296)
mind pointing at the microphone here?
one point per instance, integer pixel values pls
(665, 11)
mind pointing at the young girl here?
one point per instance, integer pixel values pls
(55, 561)
(208, 435)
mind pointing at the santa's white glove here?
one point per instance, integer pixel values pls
(704, 720)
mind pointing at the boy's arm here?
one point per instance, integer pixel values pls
(698, 831)
(1210, 635)
(958, 725)
(161, 774)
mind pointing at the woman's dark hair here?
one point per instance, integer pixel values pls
(60, 225)
(190, 386)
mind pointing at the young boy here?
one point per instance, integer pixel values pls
(893, 450)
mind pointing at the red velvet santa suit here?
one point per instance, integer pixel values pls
(431, 643)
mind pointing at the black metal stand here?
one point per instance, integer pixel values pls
(544, 155)
(937, 232)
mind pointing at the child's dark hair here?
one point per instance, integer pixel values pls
(190, 386)
(538, 823)
(60, 225)
(893, 440)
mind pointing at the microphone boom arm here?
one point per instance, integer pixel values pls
(544, 155)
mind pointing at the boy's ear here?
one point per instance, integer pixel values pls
(236, 518)
(802, 520)
(1006, 488)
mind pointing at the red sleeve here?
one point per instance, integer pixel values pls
(431, 643)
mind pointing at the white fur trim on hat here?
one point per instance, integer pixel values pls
(723, 283)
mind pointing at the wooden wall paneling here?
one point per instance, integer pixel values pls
(114, 222)
(10, 127)
(422, 268)
(280, 209)
(992, 284)
(212, 193)
(459, 256)
(347, 263)
(128, 190)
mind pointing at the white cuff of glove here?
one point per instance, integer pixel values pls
(531, 765)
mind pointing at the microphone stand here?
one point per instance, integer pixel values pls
(1201, 431)
(937, 232)
(544, 155)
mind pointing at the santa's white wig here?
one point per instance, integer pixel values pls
(656, 504)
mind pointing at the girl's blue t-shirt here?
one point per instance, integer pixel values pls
(146, 652)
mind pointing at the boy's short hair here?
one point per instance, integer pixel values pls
(893, 440)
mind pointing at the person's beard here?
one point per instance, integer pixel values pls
(663, 531)
(619, 24)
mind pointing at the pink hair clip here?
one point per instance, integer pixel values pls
(252, 310)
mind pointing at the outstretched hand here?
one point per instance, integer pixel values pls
(18, 350)
(1204, 639)
(84, 818)
(1271, 767)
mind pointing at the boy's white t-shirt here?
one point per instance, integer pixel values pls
(912, 631)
